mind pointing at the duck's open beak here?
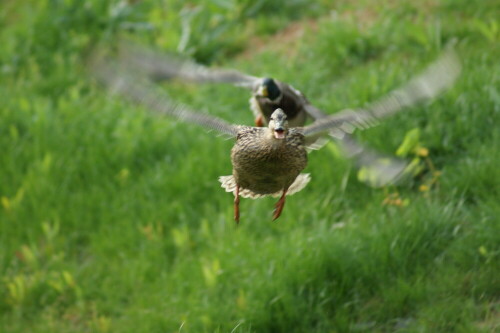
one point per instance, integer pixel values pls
(279, 133)
(279, 130)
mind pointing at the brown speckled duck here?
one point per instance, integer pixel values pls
(268, 160)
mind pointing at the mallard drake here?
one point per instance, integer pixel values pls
(269, 94)
(269, 160)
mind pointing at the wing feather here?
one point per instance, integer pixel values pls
(162, 67)
(438, 77)
(144, 93)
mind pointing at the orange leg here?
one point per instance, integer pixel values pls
(279, 205)
(259, 122)
(237, 204)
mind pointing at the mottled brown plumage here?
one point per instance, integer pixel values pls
(266, 165)
(267, 161)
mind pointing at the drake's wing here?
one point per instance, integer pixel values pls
(436, 78)
(144, 93)
(163, 67)
(313, 111)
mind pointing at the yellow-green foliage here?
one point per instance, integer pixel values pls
(112, 220)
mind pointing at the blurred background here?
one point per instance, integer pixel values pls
(112, 219)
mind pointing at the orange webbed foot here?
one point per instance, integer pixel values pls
(237, 205)
(279, 205)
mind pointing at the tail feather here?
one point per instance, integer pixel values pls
(228, 183)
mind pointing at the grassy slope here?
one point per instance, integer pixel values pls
(112, 220)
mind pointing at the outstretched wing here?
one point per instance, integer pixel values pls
(381, 169)
(144, 93)
(436, 78)
(162, 67)
(313, 111)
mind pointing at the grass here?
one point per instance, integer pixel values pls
(112, 220)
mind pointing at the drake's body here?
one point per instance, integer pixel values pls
(271, 94)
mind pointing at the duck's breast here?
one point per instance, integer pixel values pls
(264, 167)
